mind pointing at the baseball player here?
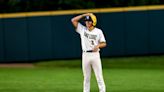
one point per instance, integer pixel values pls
(92, 39)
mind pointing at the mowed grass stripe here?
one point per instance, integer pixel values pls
(71, 79)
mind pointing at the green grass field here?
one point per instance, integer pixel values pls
(130, 74)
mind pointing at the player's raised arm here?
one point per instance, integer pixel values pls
(76, 19)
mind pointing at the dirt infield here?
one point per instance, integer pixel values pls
(18, 65)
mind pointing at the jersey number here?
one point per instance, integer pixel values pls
(92, 42)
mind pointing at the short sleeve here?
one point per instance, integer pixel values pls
(102, 38)
(80, 28)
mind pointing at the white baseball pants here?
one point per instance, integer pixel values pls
(92, 60)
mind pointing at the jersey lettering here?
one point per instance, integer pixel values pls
(90, 36)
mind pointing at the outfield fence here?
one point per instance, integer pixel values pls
(33, 36)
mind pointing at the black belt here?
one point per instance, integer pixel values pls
(88, 51)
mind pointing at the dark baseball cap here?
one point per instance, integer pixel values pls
(87, 18)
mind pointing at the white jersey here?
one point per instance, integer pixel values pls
(90, 39)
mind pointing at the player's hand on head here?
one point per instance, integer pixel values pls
(87, 14)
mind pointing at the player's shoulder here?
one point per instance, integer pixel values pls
(98, 29)
(79, 24)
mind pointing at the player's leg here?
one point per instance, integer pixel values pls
(97, 67)
(86, 72)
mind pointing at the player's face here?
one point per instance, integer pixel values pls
(88, 24)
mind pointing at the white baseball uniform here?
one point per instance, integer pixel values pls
(90, 39)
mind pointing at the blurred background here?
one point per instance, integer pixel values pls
(41, 52)
(46, 5)
(34, 30)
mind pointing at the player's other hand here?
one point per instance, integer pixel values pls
(96, 48)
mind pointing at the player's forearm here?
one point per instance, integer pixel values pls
(77, 18)
(99, 46)
(102, 45)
